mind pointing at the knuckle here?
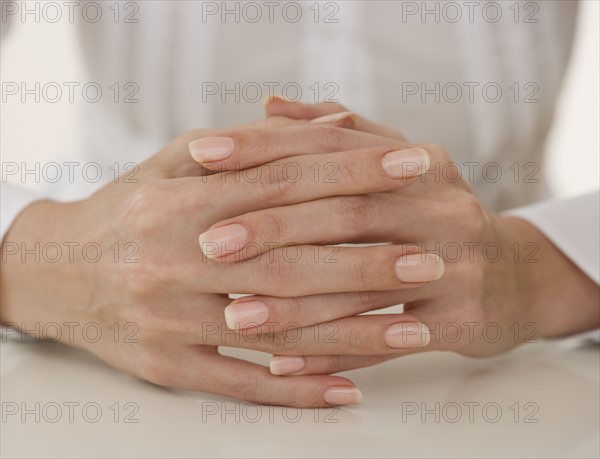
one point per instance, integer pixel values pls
(273, 226)
(246, 387)
(293, 311)
(328, 138)
(334, 363)
(141, 200)
(354, 338)
(278, 343)
(144, 280)
(367, 272)
(251, 142)
(275, 186)
(353, 172)
(473, 215)
(367, 299)
(272, 272)
(142, 204)
(356, 213)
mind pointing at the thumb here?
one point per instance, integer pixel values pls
(278, 106)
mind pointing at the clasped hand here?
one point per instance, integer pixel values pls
(261, 210)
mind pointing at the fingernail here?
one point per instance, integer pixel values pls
(285, 365)
(343, 396)
(409, 162)
(211, 148)
(334, 117)
(419, 267)
(407, 335)
(224, 240)
(247, 314)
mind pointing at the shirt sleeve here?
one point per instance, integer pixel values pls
(573, 225)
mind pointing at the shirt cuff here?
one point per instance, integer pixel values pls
(573, 225)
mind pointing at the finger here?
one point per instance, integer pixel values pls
(306, 178)
(245, 148)
(308, 270)
(270, 123)
(324, 364)
(210, 372)
(263, 314)
(443, 332)
(366, 218)
(374, 334)
(281, 107)
(174, 161)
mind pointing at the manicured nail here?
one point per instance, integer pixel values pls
(285, 365)
(333, 118)
(211, 149)
(409, 162)
(407, 335)
(419, 267)
(224, 240)
(247, 314)
(343, 396)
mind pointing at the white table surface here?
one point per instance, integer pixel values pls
(553, 383)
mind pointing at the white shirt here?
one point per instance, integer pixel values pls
(380, 58)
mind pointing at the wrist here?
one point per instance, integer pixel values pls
(40, 280)
(553, 293)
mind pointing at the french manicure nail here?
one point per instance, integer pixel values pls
(247, 314)
(211, 149)
(223, 240)
(407, 335)
(333, 118)
(419, 267)
(285, 365)
(409, 162)
(343, 396)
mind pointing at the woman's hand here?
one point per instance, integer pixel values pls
(504, 284)
(132, 285)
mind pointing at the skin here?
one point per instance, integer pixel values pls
(178, 297)
(171, 294)
(496, 304)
